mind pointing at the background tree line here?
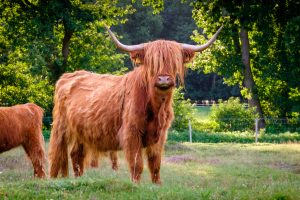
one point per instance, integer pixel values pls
(256, 56)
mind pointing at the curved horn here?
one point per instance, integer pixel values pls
(198, 48)
(127, 48)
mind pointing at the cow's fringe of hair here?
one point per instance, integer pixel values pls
(164, 57)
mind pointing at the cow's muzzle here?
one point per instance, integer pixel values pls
(164, 82)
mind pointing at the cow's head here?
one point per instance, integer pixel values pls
(162, 60)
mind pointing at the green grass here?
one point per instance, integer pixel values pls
(202, 113)
(189, 171)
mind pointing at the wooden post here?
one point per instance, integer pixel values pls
(256, 130)
(190, 131)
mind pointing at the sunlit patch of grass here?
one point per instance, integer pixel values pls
(203, 112)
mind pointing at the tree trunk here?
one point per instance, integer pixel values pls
(52, 66)
(65, 46)
(248, 77)
(236, 41)
(58, 69)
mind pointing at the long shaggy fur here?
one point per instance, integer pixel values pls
(110, 113)
(22, 125)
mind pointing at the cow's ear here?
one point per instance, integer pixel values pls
(137, 57)
(188, 55)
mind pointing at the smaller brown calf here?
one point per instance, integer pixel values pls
(22, 125)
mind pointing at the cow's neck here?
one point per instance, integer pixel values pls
(159, 101)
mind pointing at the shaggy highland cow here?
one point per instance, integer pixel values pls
(22, 125)
(132, 112)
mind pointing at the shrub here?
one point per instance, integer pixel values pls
(232, 137)
(183, 110)
(232, 115)
(280, 125)
(204, 125)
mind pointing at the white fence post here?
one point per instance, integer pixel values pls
(190, 131)
(256, 130)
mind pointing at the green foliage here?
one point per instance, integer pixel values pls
(46, 134)
(183, 110)
(48, 29)
(277, 126)
(274, 43)
(40, 40)
(232, 137)
(205, 125)
(18, 85)
(142, 26)
(232, 115)
(92, 50)
(274, 126)
(157, 5)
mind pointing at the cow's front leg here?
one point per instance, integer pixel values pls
(133, 153)
(35, 152)
(154, 161)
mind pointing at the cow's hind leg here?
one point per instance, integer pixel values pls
(34, 148)
(154, 161)
(77, 155)
(95, 162)
(59, 162)
(94, 157)
(114, 160)
(58, 151)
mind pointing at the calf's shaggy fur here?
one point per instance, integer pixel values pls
(22, 125)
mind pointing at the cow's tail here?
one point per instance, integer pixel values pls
(58, 146)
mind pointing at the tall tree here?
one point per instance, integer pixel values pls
(250, 26)
(238, 13)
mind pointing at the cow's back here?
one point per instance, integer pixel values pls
(89, 106)
(17, 122)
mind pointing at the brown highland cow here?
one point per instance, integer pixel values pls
(132, 112)
(22, 125)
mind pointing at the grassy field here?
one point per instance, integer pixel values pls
(203, 112)
(189, 171)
